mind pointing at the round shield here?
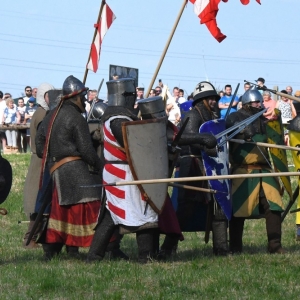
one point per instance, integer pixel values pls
(5, 178)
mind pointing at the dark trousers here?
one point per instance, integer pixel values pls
(273, 226)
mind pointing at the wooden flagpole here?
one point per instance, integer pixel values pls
(95, 33)
(166, 48)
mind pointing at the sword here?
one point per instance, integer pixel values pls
(240, 126)
(100, 86)
(94, 101)
(248, 121)
(231, 102)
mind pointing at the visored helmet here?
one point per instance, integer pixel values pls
(204, 89)
(152, 108)
(252, 95)
(121, 92)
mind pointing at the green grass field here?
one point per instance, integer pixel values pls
(193, 274)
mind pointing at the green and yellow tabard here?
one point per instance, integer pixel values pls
(249, 159)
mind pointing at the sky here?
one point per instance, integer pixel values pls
(46, 41)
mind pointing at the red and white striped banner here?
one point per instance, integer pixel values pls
(106, 19)
(207, 11)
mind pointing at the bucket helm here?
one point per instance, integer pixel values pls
(121, 92)
(152, 108)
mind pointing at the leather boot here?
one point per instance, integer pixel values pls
(113, 249)
(50, 250)
(144, 240)
(236, 228)
(169, 247)
(73, 251)
(102, 236)
(273, 225)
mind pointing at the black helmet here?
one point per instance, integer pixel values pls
(152, 108)
(121, 92)
(204, 89)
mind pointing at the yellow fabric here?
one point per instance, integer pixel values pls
(75, 230)
(294, 141)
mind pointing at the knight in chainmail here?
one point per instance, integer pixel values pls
(253, 197)
(64, 142)
(198, 211)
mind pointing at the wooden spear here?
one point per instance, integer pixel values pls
(277, 93)
(196, 178)
(195, 188)
(265, 145)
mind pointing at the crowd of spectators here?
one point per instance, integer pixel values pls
(16, 111)
(20, 110)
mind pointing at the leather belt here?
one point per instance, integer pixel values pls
(63, 161)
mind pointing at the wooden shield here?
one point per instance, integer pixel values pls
(147, 153)
(218, 166)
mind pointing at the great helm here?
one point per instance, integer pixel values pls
(152, 108)
(252, 95)
(204, 89)
(72, 87)
(121, 92)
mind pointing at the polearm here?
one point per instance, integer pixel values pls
(275, 92)
(95, 33)
(195, 188)
(196, 178)
(265, 145)
(166, 47)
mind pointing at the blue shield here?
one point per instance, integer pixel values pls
(218, 166)
(185, 107)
